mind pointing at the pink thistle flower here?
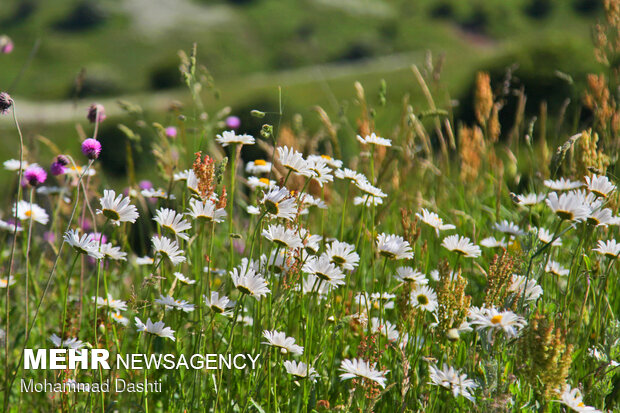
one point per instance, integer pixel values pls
(233, 122)
(6, 44)
(5, 103)
(35, 175)
(171, 132)
(96, 113)
(91, 148)
(59, 166)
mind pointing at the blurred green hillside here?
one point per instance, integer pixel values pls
(67, 50)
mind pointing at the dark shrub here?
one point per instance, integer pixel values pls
(539, 9)
(588, 6)
(87, 14)
(93, 86)
(442, 10)
(166, 75)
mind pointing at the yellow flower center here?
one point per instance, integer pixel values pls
(260, 162)
(422, 299)
(581, 404)
(264, 180)
(326, 157)
(496, 319)
(28, 213)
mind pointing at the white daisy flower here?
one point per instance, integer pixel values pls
(313, 285)
(183, 279)
(300, 370)
(280, 340)
(4, 282)
(308, 200)
(168, 301)
(322, 173)
(532, 290)
(117, 208)
(26, 211)
(373, 139)
(394, 247)
(609, 248)
(555, 268)
(279, 203)
(362, 369)
(350, 175)
(173, 222)
(343, 255)
(229, 137)
(562, 184)
(181, 176)
(258, 166)
(369, 189)
(13, 165)
(70, 343)
(192, 182)
(168, 249)
(424, 298)
(599, 185)
(158, 328)
(249, 282)
(282, 236)
(508, 227)
(253, 210)
(385, 328)
(491, 242)
(158, 193)
(146, 260)
(490, 319)
(118, 317)
(601, 217)
(530, 199)
(432, 219)
(325, 270)
(219, 305)
(569, 206)
(461, 245)
(256, 182)
(206, 210)
(573, 399)
(7, 226)
(114, 253)
(77, 170)
(367, 200)
(374, 301)
(453, 380)
(546, 237)
(331, 162)
(84, 244)
(111, 303)
(293, 161)
(408, 274)
(311, 241)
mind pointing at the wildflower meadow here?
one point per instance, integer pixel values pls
(437, 265)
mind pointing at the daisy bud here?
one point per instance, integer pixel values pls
(6, 44)
(453, 334)
(91, 148)
(257, 114)
(35, 175)
(233, 122)
(5, 103)
(96, 113)
(59, 166)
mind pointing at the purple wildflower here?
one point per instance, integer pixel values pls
(91, 148)
(145, 184)
(233, 122)
(6, 44)
(171, 132)
(5, 103)
(96, 113)
(59, 166)
(35, 175)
